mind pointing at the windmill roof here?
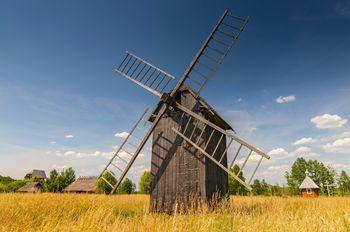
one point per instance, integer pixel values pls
(83, 184)
(210, 112)
(30, 187)
(308, 183)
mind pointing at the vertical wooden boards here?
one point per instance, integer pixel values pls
(180, 173)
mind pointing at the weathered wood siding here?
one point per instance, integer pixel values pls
(179, 172)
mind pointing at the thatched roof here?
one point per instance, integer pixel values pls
(31, 187)
(83, 185)
(36, 173)
(308, 183)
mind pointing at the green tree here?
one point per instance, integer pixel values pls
(145, 183)
(234, 187)
(344, 183)
(126, 187)
(102, 186)
(276, 190)
(261, 188)
(6, 179)
(320, 174)
(4, 182)
(66, 177)
(14, 185)
(52, 183)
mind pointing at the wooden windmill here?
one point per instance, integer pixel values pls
(190, 141)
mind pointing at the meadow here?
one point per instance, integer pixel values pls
(68, 212)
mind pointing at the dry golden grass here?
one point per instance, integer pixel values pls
(62, 212)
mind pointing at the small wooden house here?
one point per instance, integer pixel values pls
(36, 173)
(31, 187)
(308, 187)
(82, 185)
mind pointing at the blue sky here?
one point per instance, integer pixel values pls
(61, 104)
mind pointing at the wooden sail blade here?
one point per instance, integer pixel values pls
(187, 132)
(124, 157)
(228, 134)
(212, 159)
(144, 74)
(213, 51)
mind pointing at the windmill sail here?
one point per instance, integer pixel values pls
(128, 151)
(213, 51)
(144, 74)
(192, 134)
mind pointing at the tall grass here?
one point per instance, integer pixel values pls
(63, 212)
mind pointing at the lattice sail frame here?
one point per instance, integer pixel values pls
(155, 80)
(144, 74)
(188, 133)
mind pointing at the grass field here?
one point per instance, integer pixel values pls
(61, 212)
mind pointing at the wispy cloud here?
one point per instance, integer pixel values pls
(285, 99)
(342, 8)
(243, 122)
(338, 146)
(303, 152)
(304, 141)
(69, 136)
(123, 134)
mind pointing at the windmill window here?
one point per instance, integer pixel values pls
(308, 191)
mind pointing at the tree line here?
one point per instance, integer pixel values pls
(324, 176)
(56, 182)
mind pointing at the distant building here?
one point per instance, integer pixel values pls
(36, 173)
(31, 187)
(308, 187)
(82, 185)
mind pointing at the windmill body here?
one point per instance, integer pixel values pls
(180, 173)
(193, 148)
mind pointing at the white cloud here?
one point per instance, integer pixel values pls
(69, 153)
(255, 157)
(239, 99)
(244, 122)
(69, 136)
(59, 167)
(338, 166)
(52, 142)
(278, 153)
(138, 169)
(304, 152)
(304, 141)
(279, 168)
(79, 155)
(275, 172)
(286, 99)
(123, 134)
(335, 137)
(107, 155)
(328, 121)
(338, 146)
